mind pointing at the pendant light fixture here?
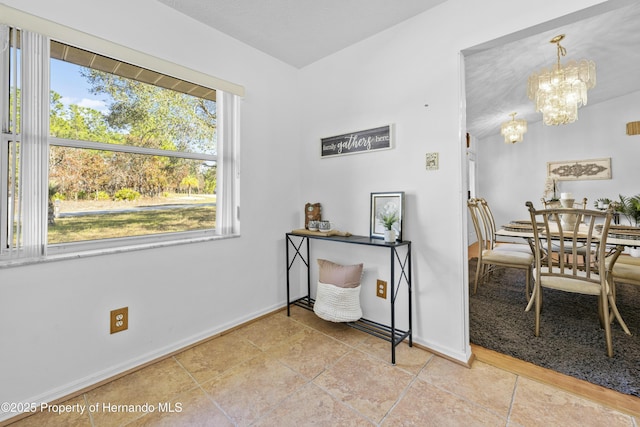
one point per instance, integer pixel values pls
(513, 130)
(559, 92)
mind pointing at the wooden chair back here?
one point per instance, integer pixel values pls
(482, 229)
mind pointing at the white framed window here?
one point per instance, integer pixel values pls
(149, 158)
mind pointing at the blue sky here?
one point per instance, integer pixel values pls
(67, 81)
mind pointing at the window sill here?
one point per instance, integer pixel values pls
(84, 250)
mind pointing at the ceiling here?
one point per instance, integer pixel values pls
(496, 74)
(300, 32)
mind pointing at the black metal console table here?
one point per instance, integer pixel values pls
(400, 254)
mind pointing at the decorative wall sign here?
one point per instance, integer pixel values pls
(573, 170)
(384, 206)
(357, 142)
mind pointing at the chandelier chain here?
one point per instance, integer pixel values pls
(562, 51)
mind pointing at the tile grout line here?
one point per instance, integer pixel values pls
(466, 399)
(86, 402)
(346, 405)
(217, 405)
(283, 400)
(513, 398)
(401, 396)
(359, 348)
(210, 398)
(198, 385)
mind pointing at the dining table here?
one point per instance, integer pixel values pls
(619, 237)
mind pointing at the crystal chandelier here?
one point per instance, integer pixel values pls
(513, 130)
(559, 92)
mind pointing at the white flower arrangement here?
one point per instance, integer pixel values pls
(550, 189)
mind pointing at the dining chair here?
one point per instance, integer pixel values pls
(490, 230)
(547, 204)
(590, 278)
(627, 270)
(623, 269)
(488, 257)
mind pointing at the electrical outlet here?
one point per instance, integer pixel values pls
(119, 319)
(381, 289)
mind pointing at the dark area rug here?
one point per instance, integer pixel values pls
(571, 340)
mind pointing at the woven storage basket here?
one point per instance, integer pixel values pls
(337, 304)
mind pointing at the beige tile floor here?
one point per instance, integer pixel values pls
(301, 370)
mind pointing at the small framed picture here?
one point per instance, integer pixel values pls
(432, 161)
(387, 210)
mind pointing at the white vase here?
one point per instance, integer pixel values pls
(567, 203)
(568, 221)
(390, 236)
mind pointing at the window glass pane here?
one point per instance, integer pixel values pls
(132, 153)
(11, 120)
(92, 105)
(98, 194)
(9, 207)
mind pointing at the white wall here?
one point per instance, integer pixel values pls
(599, 132)
(54, 316)
(389, 78)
